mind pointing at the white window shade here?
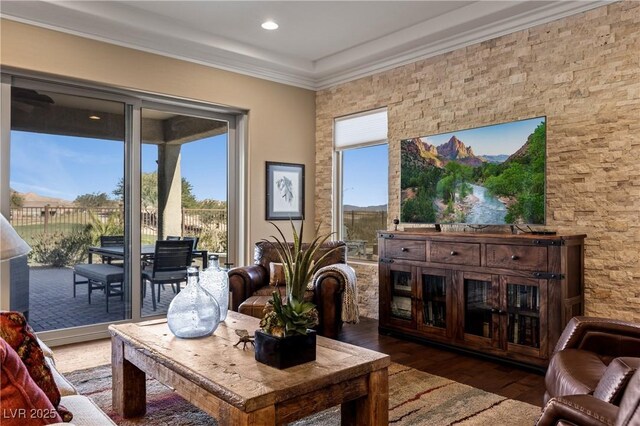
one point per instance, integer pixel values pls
(360, 129)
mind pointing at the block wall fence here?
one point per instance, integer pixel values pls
(581, 72)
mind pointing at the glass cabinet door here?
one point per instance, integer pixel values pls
(478, 307)
(523, 308)
(525, 312)
(401, 294)
(433, 304)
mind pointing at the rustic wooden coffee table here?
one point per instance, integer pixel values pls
(228, 383)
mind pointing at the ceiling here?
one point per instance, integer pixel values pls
(319, 43)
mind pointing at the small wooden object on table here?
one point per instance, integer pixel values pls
(232, 386)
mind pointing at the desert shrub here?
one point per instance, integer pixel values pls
(60, 249)
(213, 240)
(113, 224)
(363, 225)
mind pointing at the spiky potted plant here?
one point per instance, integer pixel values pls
(286, 337)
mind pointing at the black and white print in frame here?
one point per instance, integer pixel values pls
(285, 191)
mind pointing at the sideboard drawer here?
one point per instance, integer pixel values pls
(455, 253)
(526, 258)
(405, 249)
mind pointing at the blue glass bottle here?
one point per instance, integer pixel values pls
(193, 312)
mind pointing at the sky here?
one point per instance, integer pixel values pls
(66, 166)
(492, 140)
(366, 176)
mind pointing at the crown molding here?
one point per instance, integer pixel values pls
(120, 25)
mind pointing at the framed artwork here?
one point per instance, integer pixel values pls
(285, 191)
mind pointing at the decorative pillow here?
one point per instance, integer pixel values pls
(615, 378)
(23, 402)
(17, 333)
(276, 274)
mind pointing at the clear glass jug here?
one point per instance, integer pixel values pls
(215, 281)
(193, 312)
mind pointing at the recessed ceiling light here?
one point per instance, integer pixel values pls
(94, 117)
(269, 25)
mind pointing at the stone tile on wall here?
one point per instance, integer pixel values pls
(367, 274)
(583, 73)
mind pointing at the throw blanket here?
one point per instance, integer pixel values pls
(349, 312)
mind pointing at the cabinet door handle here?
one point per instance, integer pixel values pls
(514, 257)
(453, 252)
(404, 249)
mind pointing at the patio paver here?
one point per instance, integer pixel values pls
(52, 305)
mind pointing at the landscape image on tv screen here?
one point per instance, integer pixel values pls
(493, 175)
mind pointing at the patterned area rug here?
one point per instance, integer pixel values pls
(415, 398)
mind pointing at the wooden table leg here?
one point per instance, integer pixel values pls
(372, 409)
(129, 386)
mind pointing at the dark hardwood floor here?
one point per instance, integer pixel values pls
(492, 376)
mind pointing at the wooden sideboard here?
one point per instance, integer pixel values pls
(503, 295)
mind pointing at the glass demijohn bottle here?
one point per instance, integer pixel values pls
(216, 281)
(193, 312)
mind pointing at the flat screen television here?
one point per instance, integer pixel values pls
(492, 175)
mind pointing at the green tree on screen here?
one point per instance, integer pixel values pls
(455, 181)
(523, 179)
(419, 209)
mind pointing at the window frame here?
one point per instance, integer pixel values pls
(134, 101)
(338, 175)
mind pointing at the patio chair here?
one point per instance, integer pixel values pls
(194, 240)
(170, 262)
(149, 260)
(111, 241)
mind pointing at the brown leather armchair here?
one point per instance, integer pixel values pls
(250, 289)
(594, 356)
(587, 410)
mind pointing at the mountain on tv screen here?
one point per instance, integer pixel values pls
(493, 175)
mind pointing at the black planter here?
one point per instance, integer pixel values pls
(285, 352)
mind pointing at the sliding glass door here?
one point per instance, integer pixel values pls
(67, 158)
(91, 178)
(183, 191)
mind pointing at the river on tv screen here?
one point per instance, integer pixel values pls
(489, 175)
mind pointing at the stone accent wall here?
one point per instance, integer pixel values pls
(583, 73)
(367, 274)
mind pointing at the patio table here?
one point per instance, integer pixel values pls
(146, 252)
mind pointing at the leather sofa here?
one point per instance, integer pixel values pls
(587, 410)
(250, 289)
(594, 356)
(85, 411)
(32, 388)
